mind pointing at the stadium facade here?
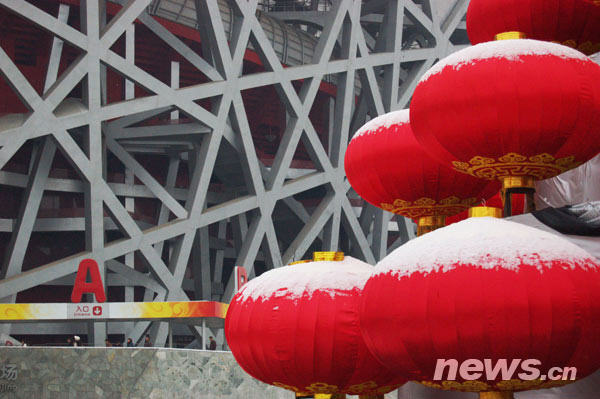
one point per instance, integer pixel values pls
(171, 140)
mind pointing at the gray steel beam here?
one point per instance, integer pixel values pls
(381, 67)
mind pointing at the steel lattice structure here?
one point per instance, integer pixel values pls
(190, 152)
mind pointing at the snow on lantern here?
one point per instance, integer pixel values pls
(513, 110)
(574, 23)
(389, 169)
(482, 289)
(296, 327)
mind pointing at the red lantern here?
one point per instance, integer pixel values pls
(388, 168)
(480, 289)
(510, 110)
(296, 327)
(574, 23)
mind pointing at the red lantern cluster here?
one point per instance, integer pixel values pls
(573, 23)
(297, 327)
(484, 289)
(515, 111)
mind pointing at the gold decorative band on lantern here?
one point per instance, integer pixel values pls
(586, 47)
(485, 211)
(510, 35)
(370, 390)
(426, 224)
(466, 386)
(520, 385)
(541, 166)
(330, 256)
(428, 206)
(518, 182)
(500, 386)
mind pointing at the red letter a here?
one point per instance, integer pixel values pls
(81, 286)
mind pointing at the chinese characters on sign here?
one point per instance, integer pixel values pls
(87, 311)
(8, 372)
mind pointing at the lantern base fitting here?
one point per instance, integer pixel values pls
(321, 396)
(510, 35)
(331, 256)
(426, 224)
(300, 261)
(518, 185)
(496, 395)
(485, 211)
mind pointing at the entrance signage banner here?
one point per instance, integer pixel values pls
(112, 311)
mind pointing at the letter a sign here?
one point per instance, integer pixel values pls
(82, 286)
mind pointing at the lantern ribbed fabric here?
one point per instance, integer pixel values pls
(570, 22)
(388, 168)
(510, 108)
(296, 327)
(484, 288)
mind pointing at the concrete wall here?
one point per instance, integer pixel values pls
(157, 373)
(77, 373)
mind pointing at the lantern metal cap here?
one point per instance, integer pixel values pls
(300, 261)
(427, 224)
(510, 35)
(331, 256)
(518, 182)
(485, 211)
(330, 396)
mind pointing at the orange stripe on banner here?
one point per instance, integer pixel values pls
(114, 310)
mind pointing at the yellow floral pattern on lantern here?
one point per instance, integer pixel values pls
(429, 207)
(541, 166)
(513, 385)
(520, 385)
(586, 47)
(290, 388)
(465, 386)
(368, 388)
(358, 389)
(517, 385)
(431, 384)
(322, 387)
